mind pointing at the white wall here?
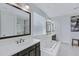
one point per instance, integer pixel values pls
(63, 28)
(63, 31)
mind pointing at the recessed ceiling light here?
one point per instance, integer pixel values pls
(27, 7)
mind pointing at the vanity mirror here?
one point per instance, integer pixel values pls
(14, 21)
(50, 27)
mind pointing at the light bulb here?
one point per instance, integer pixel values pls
(27, 7)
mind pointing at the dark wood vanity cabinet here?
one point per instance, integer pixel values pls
(34, 50)
(54, 37)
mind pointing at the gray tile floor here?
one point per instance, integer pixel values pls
(68, 50)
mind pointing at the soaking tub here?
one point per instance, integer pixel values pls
(48, 46)
(51, 50)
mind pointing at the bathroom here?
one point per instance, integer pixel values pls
(23, 27)
(27, 29)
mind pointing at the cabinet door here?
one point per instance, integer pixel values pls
(32, 52)
(26, 54)
(38, 51)
(54, 37)
(23, 53)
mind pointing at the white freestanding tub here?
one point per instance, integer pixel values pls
(52, 50)
(48, 46)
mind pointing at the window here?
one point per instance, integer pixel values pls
(39, 24)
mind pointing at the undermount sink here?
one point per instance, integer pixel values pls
(27, 43)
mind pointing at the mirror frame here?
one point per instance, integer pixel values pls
(29, 23)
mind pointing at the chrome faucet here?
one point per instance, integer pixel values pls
(20, 41)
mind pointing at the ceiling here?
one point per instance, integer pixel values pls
(58, 9)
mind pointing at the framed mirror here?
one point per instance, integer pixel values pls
(48, 27)
(14, 21)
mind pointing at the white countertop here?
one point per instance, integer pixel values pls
(44, 35)
(11, 48)
(53, 33)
